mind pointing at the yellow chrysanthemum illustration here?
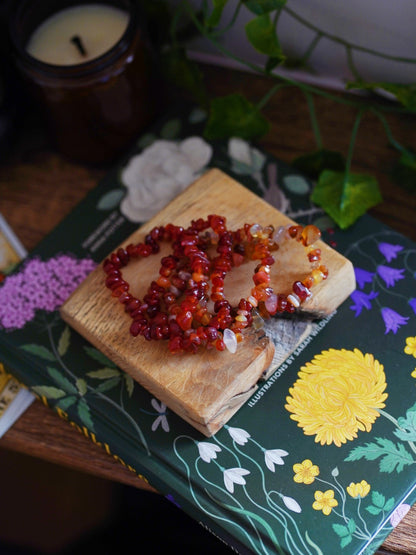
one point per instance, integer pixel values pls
(359, 489)
(324, 501)
(413, 374)
(337, 394)
(410, 348)
(305, 472)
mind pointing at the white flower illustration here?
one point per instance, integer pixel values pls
(159, 173)
(234, 476)
(161, 419)
(291, 504)
(274, 456)
(208, 451)
(239, 435)
(245, 159)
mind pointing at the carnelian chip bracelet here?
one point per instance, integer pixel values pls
(186, 304)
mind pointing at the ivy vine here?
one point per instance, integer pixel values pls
(343, 194)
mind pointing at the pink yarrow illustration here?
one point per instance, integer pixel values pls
(40, 285)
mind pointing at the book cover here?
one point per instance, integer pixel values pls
(320, 458)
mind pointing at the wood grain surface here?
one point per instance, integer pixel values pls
(205, 389)
(38, 187)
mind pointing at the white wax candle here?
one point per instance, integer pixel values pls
(98, 27)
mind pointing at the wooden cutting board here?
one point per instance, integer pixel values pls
(207, 388)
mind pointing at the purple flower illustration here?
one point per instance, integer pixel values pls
(399, 513)
(392, 319)
(40, 285)
(390, 275)
(363, 277)
(389, 251)
(412, 303)
(362, 300)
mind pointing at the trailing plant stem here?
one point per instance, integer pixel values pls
(260, 105)
(388, 132)
(339, 40)
(349, 155)
(311, 47)
(314, 120)
(208, 34)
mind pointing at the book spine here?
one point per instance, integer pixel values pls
(151, 471)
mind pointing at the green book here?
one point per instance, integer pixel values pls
(321, 458)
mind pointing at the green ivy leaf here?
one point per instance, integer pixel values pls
(405, 94)
(261, 33)
(64, 341)
(260, 7)
(39, 350)
(215, 15)
(346, 200)
(234, 116)
(314, 163)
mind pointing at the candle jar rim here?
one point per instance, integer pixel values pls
(82, 68)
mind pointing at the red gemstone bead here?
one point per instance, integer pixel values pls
(117, 291)
(184, 319)
(282, 302)
(175, 344)
(114, 280)
(300, 290)
(108, 266)
(132, 250)
(137, 326)
(123, 255)
(125, 297)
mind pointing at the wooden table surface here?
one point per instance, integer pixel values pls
(38, 187)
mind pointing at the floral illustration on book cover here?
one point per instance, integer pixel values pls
(312, 464)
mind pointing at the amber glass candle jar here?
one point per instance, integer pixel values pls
(99, 98)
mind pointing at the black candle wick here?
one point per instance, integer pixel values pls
(78, 43)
